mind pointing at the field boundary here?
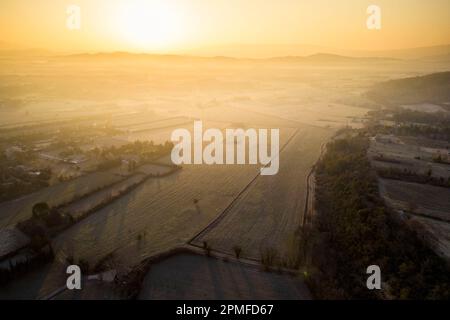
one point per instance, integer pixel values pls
(310, 193)
(223, 214)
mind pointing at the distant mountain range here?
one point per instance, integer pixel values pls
(320, 58)
(268, 51)
(275, 53)
(329, 58)
(11, 49)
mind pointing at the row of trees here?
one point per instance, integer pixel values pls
(430, 118)
(431, 132)
(412, 176)
(144, 150)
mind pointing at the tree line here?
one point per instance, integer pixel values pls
(354, 229)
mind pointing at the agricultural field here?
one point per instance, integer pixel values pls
(156, 169)
(414, 178)
(424, 107)
(224, 206)
(11, 212)
(136, 116)
(189, 276)
(412, 154)
(268, 213)
(426, 143)
(135, 129)
(435, 233)
(154, 125)
(158, 215)
(152, 218)
(423, 199)
(415, 155)
(79, 207)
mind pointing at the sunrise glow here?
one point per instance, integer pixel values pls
(148, 24)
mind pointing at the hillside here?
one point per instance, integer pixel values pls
(433, 88)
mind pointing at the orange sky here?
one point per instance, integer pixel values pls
(181, 25)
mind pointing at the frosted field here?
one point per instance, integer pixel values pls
(161, 213)
(430, 200)
(430, 212)
(157, 216)
(161, 210)
(187, 276)
(79, 207)
(406, 154)
(155, 125)
(11, 212)
(269, 212)
(437, 234)
(424, 107)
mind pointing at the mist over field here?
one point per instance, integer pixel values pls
(99, 126)
(224, 150)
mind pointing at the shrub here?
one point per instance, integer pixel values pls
(40, 210)
(237, 251)
(268, 257)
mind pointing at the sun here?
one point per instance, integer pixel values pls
(149, 24)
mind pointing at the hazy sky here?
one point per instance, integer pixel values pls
(177, 25)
